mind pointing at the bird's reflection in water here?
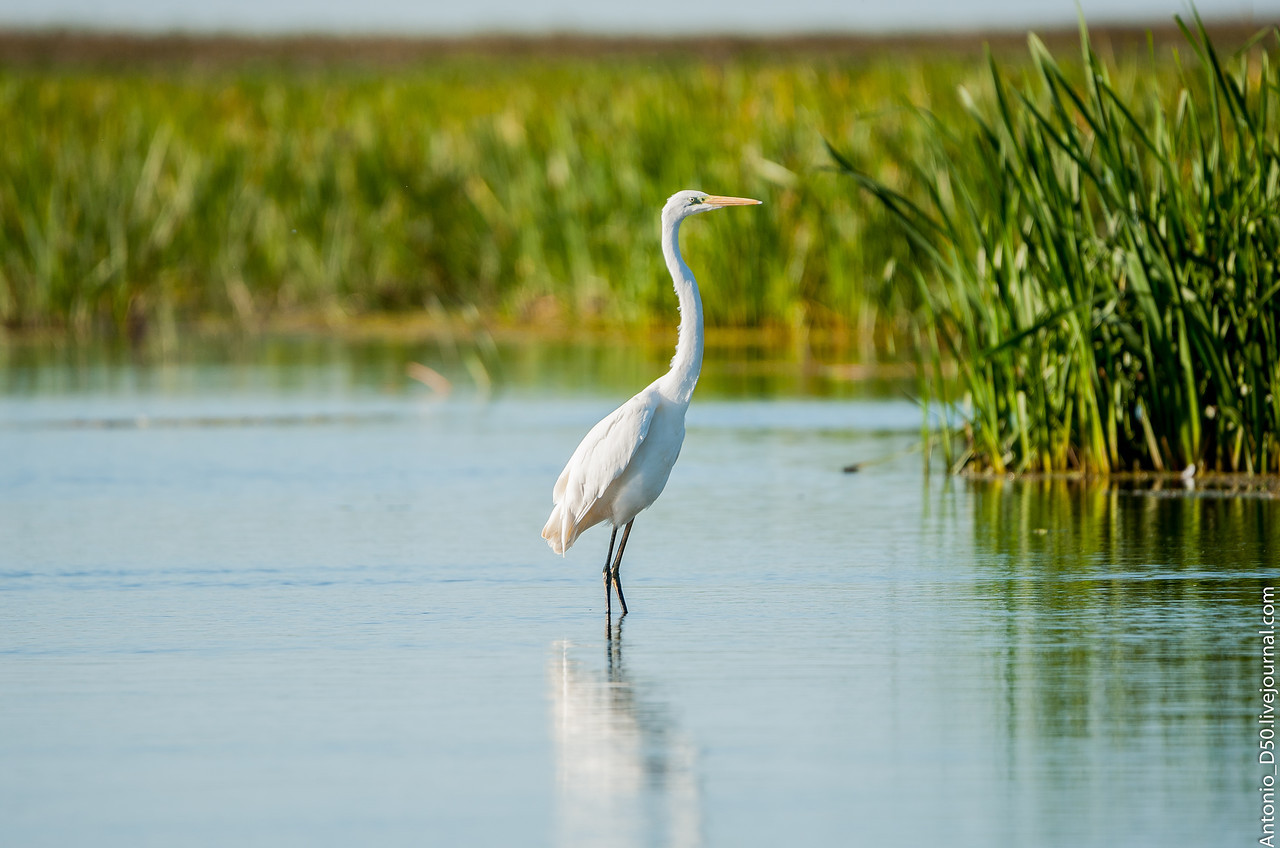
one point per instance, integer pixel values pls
(625, 774)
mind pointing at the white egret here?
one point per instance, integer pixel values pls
(623, 463)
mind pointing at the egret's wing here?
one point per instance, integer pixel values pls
(603, 454)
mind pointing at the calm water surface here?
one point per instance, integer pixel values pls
(296, 599)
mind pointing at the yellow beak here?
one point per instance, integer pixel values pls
(715, 200)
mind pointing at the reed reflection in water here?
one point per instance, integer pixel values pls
(1126, 647)
(625, 774)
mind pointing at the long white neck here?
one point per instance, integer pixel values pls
(687, 363)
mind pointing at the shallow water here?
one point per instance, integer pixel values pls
(303, 601)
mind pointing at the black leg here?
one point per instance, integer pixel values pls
(608, 599)
(617, 564)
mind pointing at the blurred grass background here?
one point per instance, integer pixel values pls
(142, 192)
(1074, 241)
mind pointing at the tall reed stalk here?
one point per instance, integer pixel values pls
(1098, 255)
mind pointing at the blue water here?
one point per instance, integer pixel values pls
(309, 605)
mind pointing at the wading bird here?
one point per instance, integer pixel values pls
(623, 463)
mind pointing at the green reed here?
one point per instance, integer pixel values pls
(528, 189)
(1096, 250)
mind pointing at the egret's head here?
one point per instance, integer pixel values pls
(682, 204)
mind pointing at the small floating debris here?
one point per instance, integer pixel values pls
(1191, 482)
(429, 377)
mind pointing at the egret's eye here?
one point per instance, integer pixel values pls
(696, 201)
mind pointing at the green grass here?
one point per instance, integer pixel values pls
(1097, 255)
(1080, 252)
(527, 189)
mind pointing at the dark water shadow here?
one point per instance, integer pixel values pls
(625, 772)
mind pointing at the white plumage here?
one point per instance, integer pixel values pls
(623, 463)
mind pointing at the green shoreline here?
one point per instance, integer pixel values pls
(151, 188)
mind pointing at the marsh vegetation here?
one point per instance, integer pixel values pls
(1097, 256)
(1075, 246)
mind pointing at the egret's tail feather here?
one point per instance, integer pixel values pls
(560, 531)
